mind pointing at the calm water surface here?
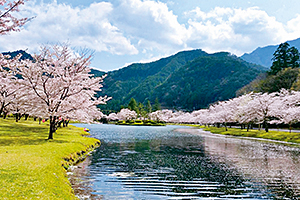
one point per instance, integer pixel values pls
(160, 163)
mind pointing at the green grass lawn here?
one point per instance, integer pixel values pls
(31, 167)
(273, 135)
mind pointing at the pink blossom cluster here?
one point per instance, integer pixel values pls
(255, 108)
(56, 84)
(7, 21)
(124, 114)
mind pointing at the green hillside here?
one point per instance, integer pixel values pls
(188, 80)
(205, 80)
(263, 55)
(139, 80)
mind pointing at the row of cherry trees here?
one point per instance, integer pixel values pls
(55, 85)
(254, 108)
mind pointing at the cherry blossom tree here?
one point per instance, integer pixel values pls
(11, 93)
(112, 117)
(180, 117)
(286, 108)
(243, 114)
(161, 115)
(60, 85)
(7, 21)
(224, 111)
(126, 114)
(202, 117)
(262, 108)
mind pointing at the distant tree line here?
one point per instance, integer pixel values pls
(143, 110)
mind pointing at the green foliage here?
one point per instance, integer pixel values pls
(286, 78)
(284, 57)
(138, 80)
(284, 73)
(140, 123)
(132, 105)
(148, 107)
(283, 79)
(156, 105)
(187, 80)
(32, 167)
(205, 80)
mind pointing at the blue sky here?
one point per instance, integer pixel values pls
(120, 32)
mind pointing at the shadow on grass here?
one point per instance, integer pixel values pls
(24, 133)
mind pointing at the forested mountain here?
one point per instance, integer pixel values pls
(139, 80)
(188, 80)
(204, 81)
(263, 55)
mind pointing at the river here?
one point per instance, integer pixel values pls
(175, 162)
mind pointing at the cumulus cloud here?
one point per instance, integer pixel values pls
(89, 27)
(151, 23)
(235, 30)
(148, 28)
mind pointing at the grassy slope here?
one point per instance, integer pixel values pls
(272, 135)
(30, 166)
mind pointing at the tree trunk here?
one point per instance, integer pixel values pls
(225, 126)
(52, 127)
(290, 128)
(20, 116)
(17, 117)
(26, 116)
(67, 123)
(4, 115)
(266, 126)
(2, 109)
(248, 126)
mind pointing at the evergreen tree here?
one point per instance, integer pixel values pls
(294, 57)
(141, 110)
(148, 107)
(132, 105)
(157, 105)
(284, 57)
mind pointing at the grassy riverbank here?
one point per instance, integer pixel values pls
(272, 135)
(31, 167)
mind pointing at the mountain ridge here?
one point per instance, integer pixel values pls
(187, 80)
(263, 55)
(148, 81)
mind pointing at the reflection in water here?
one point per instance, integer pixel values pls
(159, 163)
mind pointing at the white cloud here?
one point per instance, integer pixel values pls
(293, 28)
(148, 29)
(235, 30)
(151, 23)
(89, 27)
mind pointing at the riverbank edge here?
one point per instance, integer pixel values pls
(33, 167)
(271, 136)
(79, 156)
